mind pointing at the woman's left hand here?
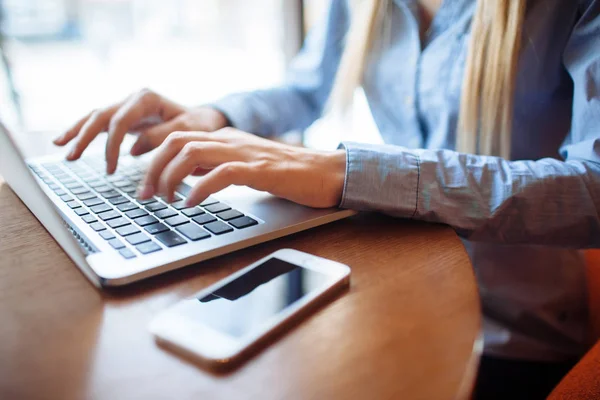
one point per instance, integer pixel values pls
(232, 157)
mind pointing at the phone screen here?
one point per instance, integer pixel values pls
(245, 303)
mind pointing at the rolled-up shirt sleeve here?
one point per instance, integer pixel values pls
(300, 100)
(545, 202)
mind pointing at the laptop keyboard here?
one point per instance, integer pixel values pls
(135, 227)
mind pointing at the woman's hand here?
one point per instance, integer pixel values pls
(231, 157)
(147, 113)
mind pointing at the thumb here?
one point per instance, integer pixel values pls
(151, 138)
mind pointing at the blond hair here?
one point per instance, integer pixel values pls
(486, 110)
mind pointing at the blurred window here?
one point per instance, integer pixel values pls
(70, 56)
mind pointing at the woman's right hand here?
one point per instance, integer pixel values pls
(146, 113)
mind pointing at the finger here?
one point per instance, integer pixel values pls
(168, 149)
(96, 123)
(153, 137)
(137, 107)
(233, 173)
(199, 171)
(72, 132)
(145, 123)
(207, 155)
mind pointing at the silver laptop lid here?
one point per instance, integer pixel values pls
(16, 173)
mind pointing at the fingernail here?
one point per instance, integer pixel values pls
(71, 155)
(145, 192)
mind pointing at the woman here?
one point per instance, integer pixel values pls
(491, 114)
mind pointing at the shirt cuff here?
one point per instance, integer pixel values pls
(381, 178)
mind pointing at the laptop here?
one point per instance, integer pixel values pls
(116, 239)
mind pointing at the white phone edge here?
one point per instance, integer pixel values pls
(186, 336)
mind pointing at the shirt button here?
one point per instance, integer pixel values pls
(408, 101)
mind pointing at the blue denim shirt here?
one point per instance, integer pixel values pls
(520, 219)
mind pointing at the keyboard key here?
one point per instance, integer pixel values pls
(147, 220)
(60, 192)
(177, 220)
(120, 184)
(79, 190)
(218, 227)
(156, 228)
(217, 207)
(66, 197)
(149, 247)
(147, 201)
(86, 196)
(193, 231)
(127, 253)
(192, 212)
(118, 222)
(208, 201)
(93, 202)
(184, 189)
(73, 204)
(110, 194)
(86, 175)
(127, 230)
(89, 218)
(116, 244)
(68, 181)
(64, 178)
(81, 211)
(118, 200)
(126, 206)
(99, 184)
(137, 239)
(130, 190)
(100, 208)
(155, 207)
(166, 213)
(73, 185)
(229, 214)
(204, 219)
(108, 215)
(114, 178)
(54, 186)
(170, 239)
(107, 235)
(94, 181)
(138, 212)
(243, 222)
(97, 226)
(179, 205)
(135, 176)
(102, 188)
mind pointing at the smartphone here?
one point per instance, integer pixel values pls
(229, 320)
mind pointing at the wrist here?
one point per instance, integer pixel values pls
(215, 119)
(337, 171)
(220, 119)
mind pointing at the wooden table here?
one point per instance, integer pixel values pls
(407, 328)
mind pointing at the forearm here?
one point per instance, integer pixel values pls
(546, 202)
(269, 112)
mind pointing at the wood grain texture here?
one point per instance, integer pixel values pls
(406, 328)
